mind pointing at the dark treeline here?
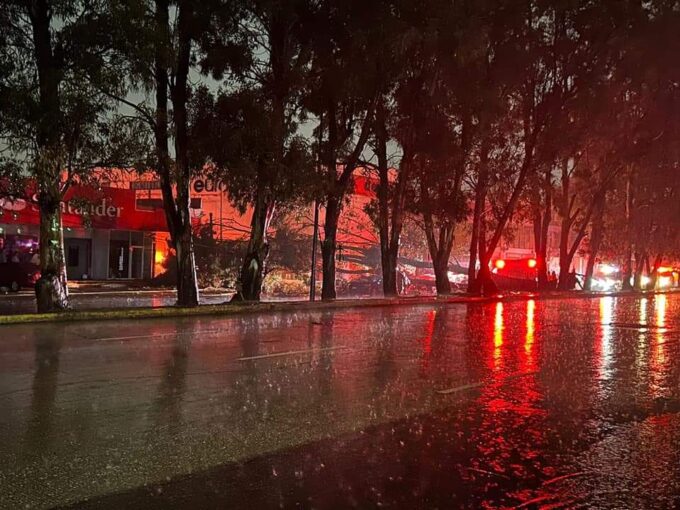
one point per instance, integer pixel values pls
(475, 111)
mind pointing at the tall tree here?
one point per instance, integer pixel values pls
(553, 60)
(275, 168)
(343, 94)
(391, 60)
(56, 126)
(235, 131)
(171, 64)
(164, 43)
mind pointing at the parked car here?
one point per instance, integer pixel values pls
(368, 285)
(372, 285)
(18, 275)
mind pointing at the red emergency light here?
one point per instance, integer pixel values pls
(531, 263)
(500, 264)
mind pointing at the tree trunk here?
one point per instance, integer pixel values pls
(328, 248)
(639, 269)
(485, 283)
(440, 251)
(565, 280)
(388, 259)
(187, 287)
(590, 268)
(536, 223)
(476, 242)
(255, 260)
(541, 227)
(654, 273)
(628, 262)
(187, 290)
(441, 274)
(389, 273)
(541, 249)
(595, 242)
(51, 289)
(628, 269)
(397, 224)
(176, 209)
(390, 223)
(565, 226)
(475, 284)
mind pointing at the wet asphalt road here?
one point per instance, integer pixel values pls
(556, 403)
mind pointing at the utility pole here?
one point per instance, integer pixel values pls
(315, 235)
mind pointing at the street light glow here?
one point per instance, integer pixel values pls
(607, 269)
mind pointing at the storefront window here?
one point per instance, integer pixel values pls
(129, 254)
(18, 248)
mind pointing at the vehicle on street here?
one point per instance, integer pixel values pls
(515, 274)
(371, 285)
(18, 275)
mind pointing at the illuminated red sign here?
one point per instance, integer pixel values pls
(109, 208)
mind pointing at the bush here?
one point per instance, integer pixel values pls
(275, 285)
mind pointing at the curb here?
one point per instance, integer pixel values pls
(236, 309)
(115, 293)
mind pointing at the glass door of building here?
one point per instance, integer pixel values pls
(119, 259)
(137, 262)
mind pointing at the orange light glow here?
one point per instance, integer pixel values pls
(664, 269)
(498, 328)
(660, 309)
(531, 326)
(532, 263)
(665, 281)
(643, 311)
(159, 257)
(604, 347)
(660, 357)
(500, 264)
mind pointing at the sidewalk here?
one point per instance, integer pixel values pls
(109, 287)
(99, 286)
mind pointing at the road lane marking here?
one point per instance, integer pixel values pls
(292, 353)
(470, 386)
(157, 335)
(638, 327)
(461, 388)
